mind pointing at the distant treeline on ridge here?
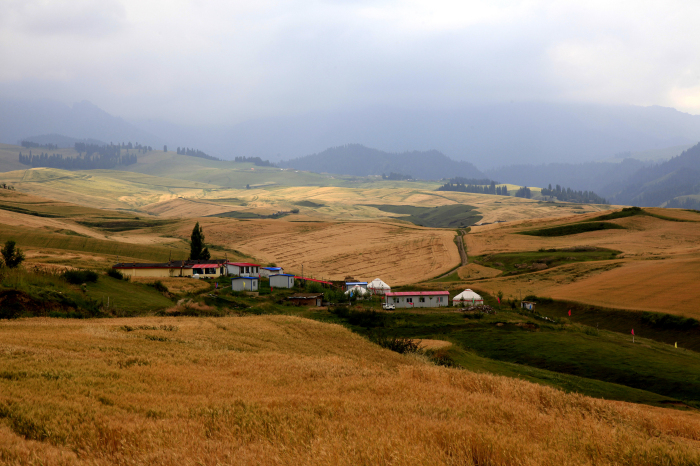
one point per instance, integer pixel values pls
(30, 145)
(195, 153)
(255, 161)
(396, 177)
(96, 157)
(569, 195)
(477, 186)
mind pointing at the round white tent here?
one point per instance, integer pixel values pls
(377, 286)
(467, 297)
(357, 290)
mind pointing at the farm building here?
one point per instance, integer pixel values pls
(467, 297)
(209, 268)
(377, 286)
(529, 305)
(267, 271)
(418, 298)
(244, 283)
(282, 280)
(243, 269)
(349, 285)
(307, 299)
(357, 290)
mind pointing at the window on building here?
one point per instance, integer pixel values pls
(409, 300)
(439, 299)
(210, 271)
(421, 300)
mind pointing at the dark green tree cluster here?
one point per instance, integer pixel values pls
(523, 192)
(12, 256)
(198, 251)
(396, 176)
(257, 161)
(194, 153)
(7, 186)
(110, 150)
(29, 145)
(474, 188)
(87, 162)
(569, 195)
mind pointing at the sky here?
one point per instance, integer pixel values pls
(222, 62)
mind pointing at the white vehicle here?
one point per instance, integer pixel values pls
(388, 307)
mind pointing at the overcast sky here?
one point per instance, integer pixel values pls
(202, 62)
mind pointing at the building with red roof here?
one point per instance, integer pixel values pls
(411, 299)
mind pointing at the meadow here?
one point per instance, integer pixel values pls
(287, 390)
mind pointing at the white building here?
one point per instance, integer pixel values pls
(349, 285)
(467, 298)
(282, 280)
(357, 290)
(267, 271)
(377, 286)
(244, 283)
(411, 299)
(243, 269)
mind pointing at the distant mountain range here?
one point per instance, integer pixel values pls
(358, 160)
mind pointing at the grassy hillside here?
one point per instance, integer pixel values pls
(284, 390)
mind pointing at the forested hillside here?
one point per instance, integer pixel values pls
(358, 160)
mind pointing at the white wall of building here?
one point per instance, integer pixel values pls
(281, 281)
(418, 301)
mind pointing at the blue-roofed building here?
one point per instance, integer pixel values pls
(350, 285)
(245, 283)
(282, 280)
(267, 271)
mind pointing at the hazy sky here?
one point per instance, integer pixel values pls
(226, 61)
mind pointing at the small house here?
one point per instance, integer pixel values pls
(243, 269)
(411, 299)
(307, 299)
(282, 280)
(467, 298)
(267, 271)
(377, 286)
(209, 268)
(357, 291)
(350, 285)
(244, 283)
(529, 305)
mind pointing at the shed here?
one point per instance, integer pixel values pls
(267, 271)
(377, 286)
(243, 269)
(529, 305)
(244, 283)
(282, 280)
(467, 297)
(418, 298)
(307, 299)
(349, 285)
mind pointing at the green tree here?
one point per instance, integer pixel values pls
(197, 249)
(11, 254)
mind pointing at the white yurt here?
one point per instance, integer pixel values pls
(357, 290)
(377, 286)
(467, 297)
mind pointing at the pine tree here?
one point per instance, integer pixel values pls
(12, 255)
(197, 249)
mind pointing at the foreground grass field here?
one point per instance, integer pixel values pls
(286, 390)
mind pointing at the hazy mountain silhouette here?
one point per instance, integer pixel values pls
(356, 159)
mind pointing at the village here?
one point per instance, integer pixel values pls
(247, 277)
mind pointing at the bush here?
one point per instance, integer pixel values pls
(398, 344)
(114, 273)
(158, 285)
(77, 277)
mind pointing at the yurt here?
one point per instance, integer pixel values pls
(377, 286)
(467, 297)
(357, 290)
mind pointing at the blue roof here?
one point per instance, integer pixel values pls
(244, 278)
(355, 283)
(271, 268)
(282, 275)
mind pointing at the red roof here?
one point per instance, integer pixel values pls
(205, 266)
(418, 293)
(243, 264)
(313, 280)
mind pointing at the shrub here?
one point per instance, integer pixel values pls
(398, 344)
(158, 285)
(114, 273)
(77, 277)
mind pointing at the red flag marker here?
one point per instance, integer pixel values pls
(499, 300)
(569, 312)
(632, 331)
(632, 335)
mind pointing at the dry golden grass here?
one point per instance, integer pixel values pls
(398, 254)
(474, 271)
(176, 285)
(426, 344)
(283, 390)
(657, 271)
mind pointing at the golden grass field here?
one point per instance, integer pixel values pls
(657, 271)
(285, 390)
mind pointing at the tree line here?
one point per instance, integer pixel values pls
(194, 153)
(257, 161)
(36, 145)
(109, 150)
(396, 177)
(87, 162)
(456, 185)
(569, 195)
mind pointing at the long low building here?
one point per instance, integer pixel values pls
(209, 268)
(243, 269)
(412, 299)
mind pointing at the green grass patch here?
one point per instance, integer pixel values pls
(309, 204)
(124, 225)
(453, 277)
(21, 210)
(523, 262)
(447, 216)
(573, 229)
